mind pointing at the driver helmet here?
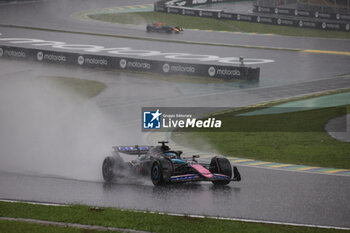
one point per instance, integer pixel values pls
(170, 155)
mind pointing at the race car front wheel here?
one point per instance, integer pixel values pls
(157, 174)
(107, 169)
(221, 166)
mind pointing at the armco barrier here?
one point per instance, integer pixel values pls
(302, 13)
(273, 19)
(131, 64)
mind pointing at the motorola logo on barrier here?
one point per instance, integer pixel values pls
(40, 56)
(140, 65)
(212, 71)
(122, 63)
(12, 53)
(81, 60)
(228, 72)
(166, 68)
(92, 61)
(179, 68)
(134, 64)
(50, 57)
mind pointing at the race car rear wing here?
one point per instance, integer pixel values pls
(132, 150)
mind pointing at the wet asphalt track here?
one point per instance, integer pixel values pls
(263, 194)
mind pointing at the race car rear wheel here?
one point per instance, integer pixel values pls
(221, 166)
(157, 173)
(107, 169)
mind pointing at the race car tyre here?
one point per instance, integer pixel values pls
(167, 169)
(112, 167)
(108, 169)
(157, 173)
(148, 28)
(221, 166)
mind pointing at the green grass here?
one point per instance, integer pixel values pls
(20, 227)
(141, 221)
(82, 87)
(297, 138)
(191, 22)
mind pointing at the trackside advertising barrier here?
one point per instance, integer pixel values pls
(189, 3)
(273, 19)
(131, 64)
(301, 13)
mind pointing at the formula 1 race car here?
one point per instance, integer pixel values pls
(160, 27)
(166, 166)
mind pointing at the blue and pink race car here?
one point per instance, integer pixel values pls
(165, 166)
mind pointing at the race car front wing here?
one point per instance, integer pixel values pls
(215, 177)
